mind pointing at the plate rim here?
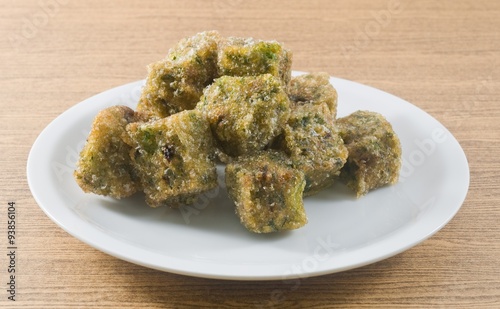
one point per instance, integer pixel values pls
(31, 168)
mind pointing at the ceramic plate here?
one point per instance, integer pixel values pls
(207, 240)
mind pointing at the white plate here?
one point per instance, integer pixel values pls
(207, 240)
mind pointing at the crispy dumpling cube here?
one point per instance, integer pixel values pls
(246, 56)
(374, 151)
(315, 89)
(176, 82)
(267, 192)
(314, 146)
(245, 113)
(104, 166)
(174, 158)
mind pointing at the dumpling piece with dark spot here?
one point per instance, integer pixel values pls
(174, 158)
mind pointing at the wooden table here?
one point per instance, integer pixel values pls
(441, 56)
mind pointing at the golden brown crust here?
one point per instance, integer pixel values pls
(267, 192)
(174, 158)
(176, 82)
(314, 146)
(315, 89)
(374, 151)
(104, 166)
(245, 113)
(249, 57)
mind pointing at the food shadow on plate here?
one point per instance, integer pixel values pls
(212, 211)
(335, 193)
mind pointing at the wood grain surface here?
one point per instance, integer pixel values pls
(443, 56)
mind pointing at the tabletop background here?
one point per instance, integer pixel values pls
(442, 56)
